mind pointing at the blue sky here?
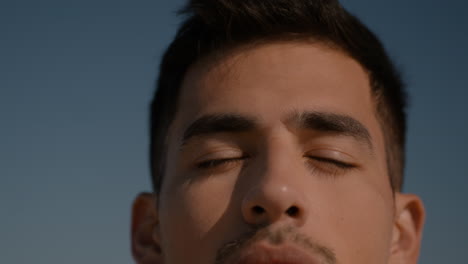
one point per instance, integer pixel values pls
(76, 78)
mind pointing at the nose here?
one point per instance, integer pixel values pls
(272, 202)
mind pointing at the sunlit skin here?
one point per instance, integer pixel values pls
(329, 189)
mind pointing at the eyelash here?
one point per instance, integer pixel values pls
(213, 163)
(327, 166)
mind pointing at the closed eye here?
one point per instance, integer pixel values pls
(214, 163)
(329, 167)
(316, 163)
(337, 163)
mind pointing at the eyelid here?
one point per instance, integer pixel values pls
(331, 154)
(220, 153)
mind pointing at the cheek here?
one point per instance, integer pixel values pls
(190, 214)
(364, 223)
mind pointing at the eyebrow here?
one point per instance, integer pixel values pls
(311, 120)
(331, 123)
(218, 123)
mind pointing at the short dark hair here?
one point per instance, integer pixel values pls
(216, 26)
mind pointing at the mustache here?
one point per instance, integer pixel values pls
(275, 237)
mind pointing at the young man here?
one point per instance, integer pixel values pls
(278, 132)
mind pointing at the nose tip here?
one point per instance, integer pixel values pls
(263, 206)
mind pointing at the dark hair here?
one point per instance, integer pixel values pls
(216, 26)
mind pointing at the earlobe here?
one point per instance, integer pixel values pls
(144, 230)
(407, 229)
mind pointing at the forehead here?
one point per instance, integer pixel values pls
(272, 79)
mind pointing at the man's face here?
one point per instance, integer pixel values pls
(276, 156)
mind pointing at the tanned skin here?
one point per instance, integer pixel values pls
(276, 155)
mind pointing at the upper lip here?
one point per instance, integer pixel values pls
(262, 253)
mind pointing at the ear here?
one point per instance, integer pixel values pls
(407, 228)
(145, 231)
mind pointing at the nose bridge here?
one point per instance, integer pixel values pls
(279, 158)
(275, 194)
(282, 163)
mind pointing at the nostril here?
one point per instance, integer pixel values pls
(292, 211)
(258, 210)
